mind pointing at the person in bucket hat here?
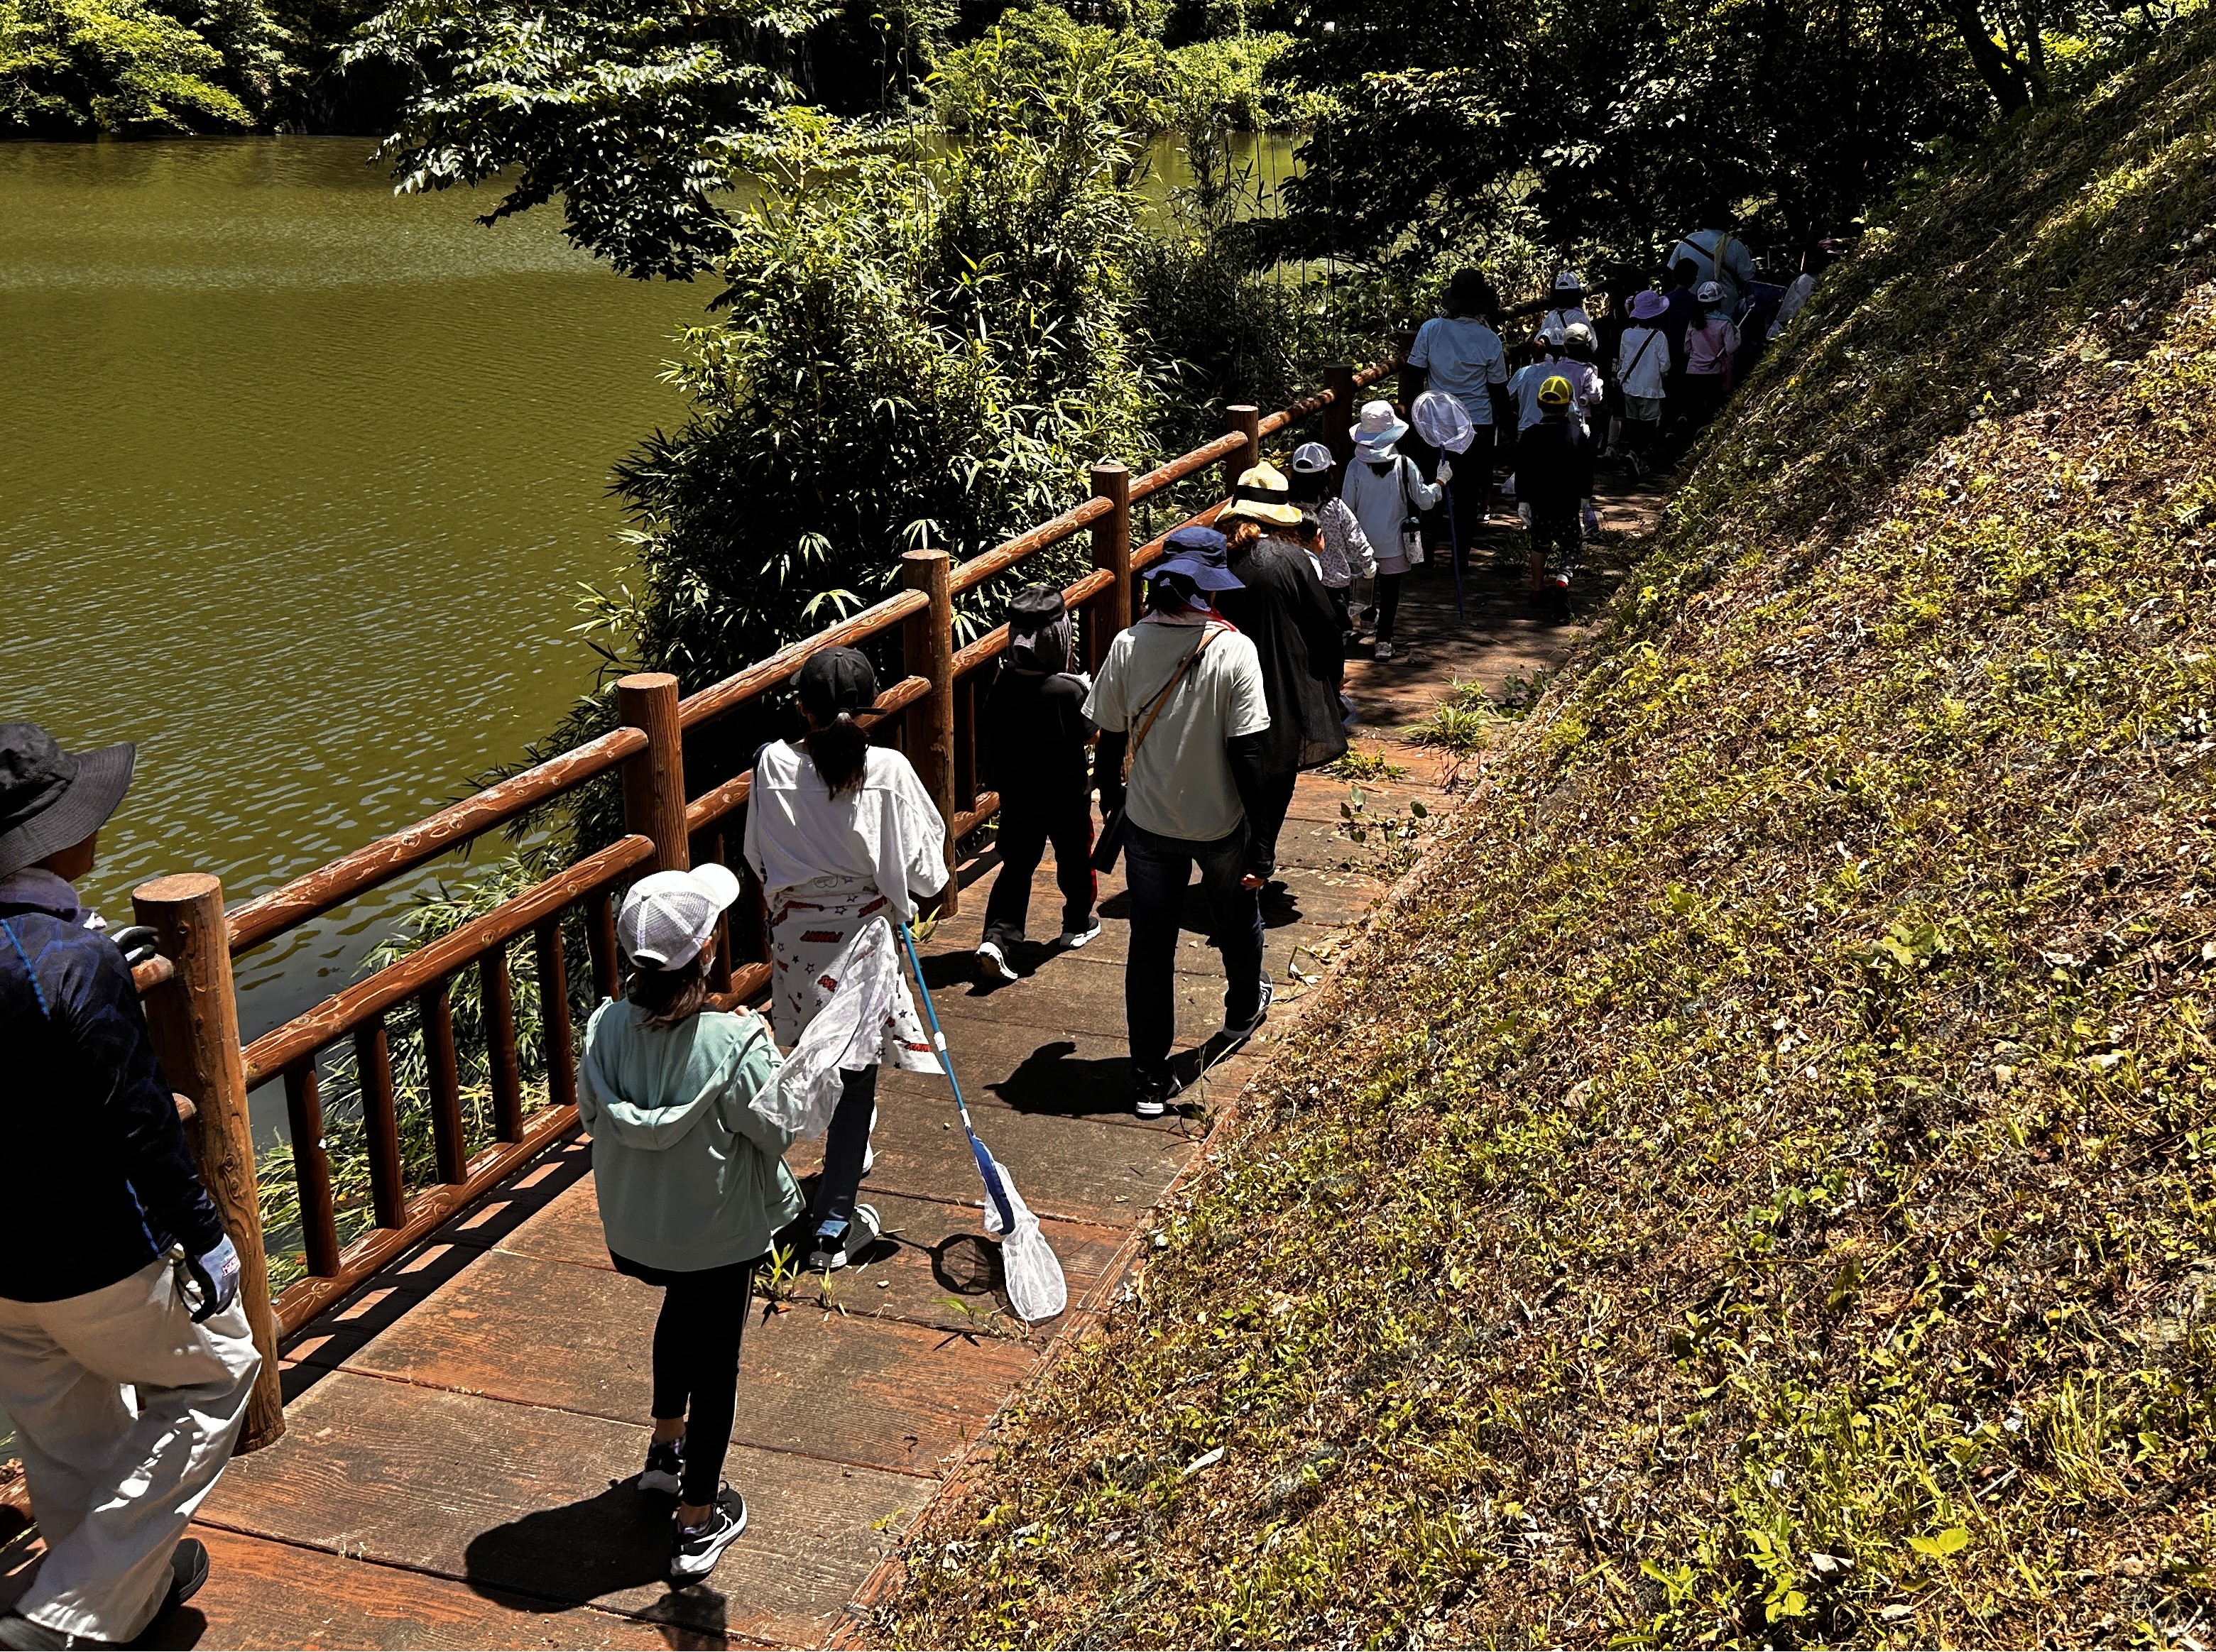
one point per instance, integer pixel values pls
(115, 1271)
(1281, 608)
(1180, 695)
(1711, 344)
(1036, 744)
(692, 1184)
(1344, 553)
(1642, 369)
(1386, 491)
(1262, 495)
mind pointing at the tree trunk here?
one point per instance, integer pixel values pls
(2003, 77)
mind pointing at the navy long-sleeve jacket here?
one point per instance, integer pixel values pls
(100, 1178)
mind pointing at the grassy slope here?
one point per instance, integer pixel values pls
(1763, 1187)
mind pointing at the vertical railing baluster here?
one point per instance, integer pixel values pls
(554, 1014)
(388, 1192)
(497, 994)
(720, 973)
(931, 653)
(311, 1169)
(1241, 420)
(194, 1019)
(600, 942)
(1111, 611)
(435, 1010)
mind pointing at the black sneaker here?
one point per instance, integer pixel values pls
(1152, 1096)
(694, 1550)
(833, 1251)
(1236, 1035)
(665, 1467)
(188, 1570)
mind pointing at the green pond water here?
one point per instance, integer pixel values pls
(297, 484)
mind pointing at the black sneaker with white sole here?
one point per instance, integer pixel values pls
(833, 1251)
(1073, 939)
(694, 1550)
(665, 1467)
(1152, 1096)
(1236, 1034)
(994, 968)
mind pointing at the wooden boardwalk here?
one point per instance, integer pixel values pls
(463, 1434)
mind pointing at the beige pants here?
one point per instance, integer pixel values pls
(113, 1486)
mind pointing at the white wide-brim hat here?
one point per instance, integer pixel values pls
(667, 916)
(1379, 426)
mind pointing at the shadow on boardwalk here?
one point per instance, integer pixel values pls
(464, 1434)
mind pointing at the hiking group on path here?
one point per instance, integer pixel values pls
(116, 1276)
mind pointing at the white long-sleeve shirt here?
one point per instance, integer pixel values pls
(1382, 503)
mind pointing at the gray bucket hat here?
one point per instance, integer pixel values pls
(51, 799)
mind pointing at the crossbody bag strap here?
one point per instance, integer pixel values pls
(1161, 702)
(1653, 334)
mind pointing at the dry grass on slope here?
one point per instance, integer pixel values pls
(1763, 1187)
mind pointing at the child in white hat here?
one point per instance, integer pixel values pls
(1343, 552)
(1386, 491)
(692, 1183)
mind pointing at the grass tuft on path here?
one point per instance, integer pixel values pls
(1759, 1185)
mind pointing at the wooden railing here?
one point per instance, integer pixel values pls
(190, 1000)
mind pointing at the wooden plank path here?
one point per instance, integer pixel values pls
(464, 1433)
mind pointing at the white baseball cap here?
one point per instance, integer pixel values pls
(1569, 281)
(1310, 458)
(667, 916)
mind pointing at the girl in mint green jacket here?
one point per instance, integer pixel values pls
(693, 1184)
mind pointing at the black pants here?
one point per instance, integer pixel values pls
(1027, 826)
(696, 1361)
(846, 1144)
(1388, 604)
(1269, 819)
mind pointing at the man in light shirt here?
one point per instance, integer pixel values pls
(1182, 691)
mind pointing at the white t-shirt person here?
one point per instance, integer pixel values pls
(1181, 784)
(1460, 356)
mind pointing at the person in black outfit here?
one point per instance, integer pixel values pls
(1036, 739)
(1284, 611)
(1553, 476)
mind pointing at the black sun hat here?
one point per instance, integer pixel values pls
(50, 798)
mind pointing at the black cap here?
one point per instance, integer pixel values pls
(836, 680)
(50, 798)
(1033, 607)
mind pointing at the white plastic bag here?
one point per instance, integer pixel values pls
(1036, 1291)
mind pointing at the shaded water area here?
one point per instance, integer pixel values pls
(297, 484)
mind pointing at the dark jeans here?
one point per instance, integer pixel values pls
(696, 1361)
(1266, 824)
(845, 1145)
(1388, 604)
(1027, 826)
(1156, 871)
(1472, 491)
(1556, 540)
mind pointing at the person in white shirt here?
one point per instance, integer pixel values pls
(1181, 693)
(1569, 309)
(1719, 256)
(1384, 488)
(1642, 367)
(1457, 354)
(1344, 553)
(1549, 350)
(847, 843)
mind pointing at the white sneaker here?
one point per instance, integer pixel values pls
(1076, 938)
(1381, 653)
(993, 964)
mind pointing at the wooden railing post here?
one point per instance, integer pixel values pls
(1339, 417)
(653, 781)
(1112, 549)
(1248, 421)
(930, 642)
(195, 1021)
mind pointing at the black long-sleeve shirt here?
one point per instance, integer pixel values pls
(1554, 468)
(99, 1179)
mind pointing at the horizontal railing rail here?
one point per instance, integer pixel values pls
(932, 711)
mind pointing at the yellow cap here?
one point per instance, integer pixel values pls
(1555, 392)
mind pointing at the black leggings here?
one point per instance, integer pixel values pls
(696, 1361)
(1388, 604)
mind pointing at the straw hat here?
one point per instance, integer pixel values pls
(1263, 495)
